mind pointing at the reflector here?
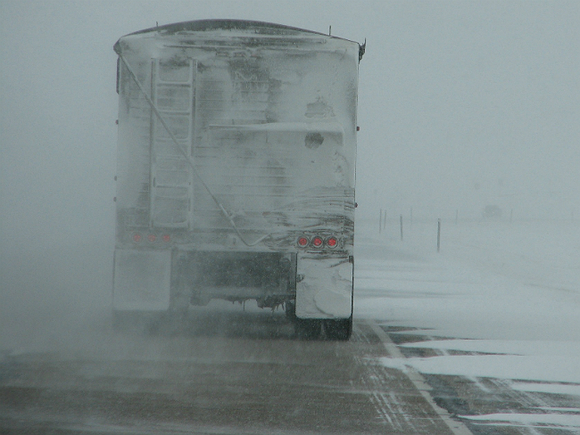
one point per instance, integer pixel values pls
(302, 242)
(166, 237)
(332, 242)
(317, 242)
(136, 237)
(151, 237)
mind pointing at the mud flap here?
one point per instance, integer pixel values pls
(325, 291)
(141, 280)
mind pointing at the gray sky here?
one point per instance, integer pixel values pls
(461, 104)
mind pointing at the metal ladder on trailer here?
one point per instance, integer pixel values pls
(173, 92)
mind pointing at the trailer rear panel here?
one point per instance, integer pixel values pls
(236, 167)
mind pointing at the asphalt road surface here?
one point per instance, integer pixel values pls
(229, 372)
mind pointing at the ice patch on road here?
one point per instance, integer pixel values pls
(562, 348)
(526, 360)
(545, 368)
(552, 420)
(549, 388)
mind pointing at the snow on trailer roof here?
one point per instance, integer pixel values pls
(246, 27)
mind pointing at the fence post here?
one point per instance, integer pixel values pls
(438, 235)
(401, 221)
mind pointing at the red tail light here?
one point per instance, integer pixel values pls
(317, 242)
(166, 237)
(151, 237)
(136, 238)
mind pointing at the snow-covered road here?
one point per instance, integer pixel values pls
(501, 301)
(490, 323)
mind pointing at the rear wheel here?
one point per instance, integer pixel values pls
(290, 310)
(308, 329)
(340, 329)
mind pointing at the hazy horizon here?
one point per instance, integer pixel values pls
(461, 105)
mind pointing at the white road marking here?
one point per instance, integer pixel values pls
(456, 427)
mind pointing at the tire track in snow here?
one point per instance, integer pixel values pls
(457, 428)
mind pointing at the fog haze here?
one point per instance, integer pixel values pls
(461, 105)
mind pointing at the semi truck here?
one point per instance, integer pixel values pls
(236, 171)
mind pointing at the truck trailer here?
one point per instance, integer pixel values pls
(236, 171)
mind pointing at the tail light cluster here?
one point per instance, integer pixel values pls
(318, 242)
(152, 238)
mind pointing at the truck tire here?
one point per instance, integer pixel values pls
(290, 310)
(308, 329)
(339, 330)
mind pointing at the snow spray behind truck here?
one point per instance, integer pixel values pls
(236, 170)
